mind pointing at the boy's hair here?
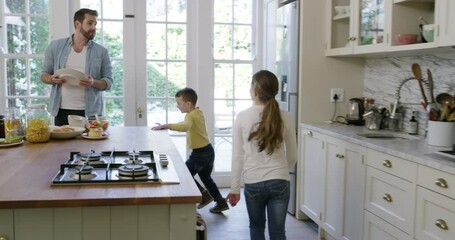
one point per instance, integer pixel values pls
(188, 95)
(80, 14)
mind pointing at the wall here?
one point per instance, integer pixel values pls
(382, 77)
(318, 73)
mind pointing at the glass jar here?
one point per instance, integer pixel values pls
(37, 127)
(14, 130)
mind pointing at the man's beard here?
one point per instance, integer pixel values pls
(88, 35)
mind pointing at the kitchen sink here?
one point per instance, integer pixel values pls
(381, 135)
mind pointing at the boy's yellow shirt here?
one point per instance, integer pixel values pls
(194, 126)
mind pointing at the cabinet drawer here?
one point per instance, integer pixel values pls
(391, 198)
(396, 166)
(435, 217)
(376, 228)
(438, 181)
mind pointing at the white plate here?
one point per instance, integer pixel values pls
(11, 144)
(65, 135)
(105, 135)
(71, 76)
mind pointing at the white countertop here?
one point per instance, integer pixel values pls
(410, 147)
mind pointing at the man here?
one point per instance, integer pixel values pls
(78, 52)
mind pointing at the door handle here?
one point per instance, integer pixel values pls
(140, 111)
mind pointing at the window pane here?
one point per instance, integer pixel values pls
(156, 79)
(114, 111)
(176, 42)
(117, 75)
(243, 10)
(15, 6)
(156, 10)
(223, 146)
(39, 6)
(40, 101)
(243, 74)
(156, 113)
(16, 35)
(176, 77)
(91, 4)
(16, 77)
(113, 9)
(39, 34)
(37, 88)
(156, 41)
(222, 46)
(242, 43)
(176, 10)
(223, 11)
(113, 38)
(224, 80)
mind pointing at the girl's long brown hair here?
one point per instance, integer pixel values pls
(269, 131)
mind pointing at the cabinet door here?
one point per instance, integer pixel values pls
(344, 189)
(7, 223)
(378, 229)
(339, 30)
(372, 27)
(311, 180)
(354, 193)
(332, 214)
(446, 19)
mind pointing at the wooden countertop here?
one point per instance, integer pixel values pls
(27, 171)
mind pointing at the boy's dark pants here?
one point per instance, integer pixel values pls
(201, 162)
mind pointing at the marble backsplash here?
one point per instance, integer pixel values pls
(384, 76)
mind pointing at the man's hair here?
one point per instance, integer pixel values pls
(80, 15)
(188, 95)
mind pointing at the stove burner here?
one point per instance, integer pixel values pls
(135, 161)
(84, 170)
(76, 176)
(90, 157)
(133, 170)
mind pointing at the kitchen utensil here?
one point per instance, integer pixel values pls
(355, 112)
(430, 83)
(443, 98)
(418, 75)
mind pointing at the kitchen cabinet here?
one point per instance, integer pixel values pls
(361, 29)
(371, 26)
(435, 217)
(333, 184)
(446, 23)
(311, 182)
(390, 189)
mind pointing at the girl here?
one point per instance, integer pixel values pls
(264, 147)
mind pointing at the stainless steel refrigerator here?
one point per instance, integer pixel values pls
(287, 44)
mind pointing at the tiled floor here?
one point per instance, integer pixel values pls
(233, 224)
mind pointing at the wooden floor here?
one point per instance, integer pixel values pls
(233, 224)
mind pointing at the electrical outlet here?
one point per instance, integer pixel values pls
(339, 92)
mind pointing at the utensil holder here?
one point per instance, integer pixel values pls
(441, 134)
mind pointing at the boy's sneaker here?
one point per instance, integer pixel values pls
(206, 199)
(220, 206)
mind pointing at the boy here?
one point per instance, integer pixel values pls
(202, 156)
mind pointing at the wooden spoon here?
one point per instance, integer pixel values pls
(418, 75)
(430, 83)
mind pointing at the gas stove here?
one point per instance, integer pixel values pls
(111, 167)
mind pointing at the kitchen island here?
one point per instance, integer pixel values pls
(31, 208)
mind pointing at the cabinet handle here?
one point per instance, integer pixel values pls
(3, 238)
(352, 38)
(309, 133)
(387, 197)
(387, 163)
(441, 224)
(440, 182)
(338, 155)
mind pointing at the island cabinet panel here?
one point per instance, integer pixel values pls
(158, 222)
(6, 223)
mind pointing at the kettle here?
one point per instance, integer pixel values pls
(355, 112)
